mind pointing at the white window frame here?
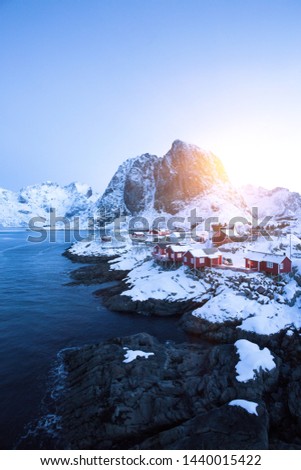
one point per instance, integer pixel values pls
(202, 260)
(185, 259)
(270, 265)
(281, 266)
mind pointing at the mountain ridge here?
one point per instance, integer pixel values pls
(186, 178)
(18, 208)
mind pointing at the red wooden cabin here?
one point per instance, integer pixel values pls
(199, 258)
(268, 263)
(175, 253)
(159, 251)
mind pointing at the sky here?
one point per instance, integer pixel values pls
(86, 84)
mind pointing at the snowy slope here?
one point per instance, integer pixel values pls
(279, 203)
(16, 209)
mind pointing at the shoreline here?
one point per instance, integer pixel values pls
(100, 273)
(100, 385)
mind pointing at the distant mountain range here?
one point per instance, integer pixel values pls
(280, 203)
(186, 178)
(17, 208)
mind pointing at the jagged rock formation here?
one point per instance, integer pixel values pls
(185, 177)
(176, 398)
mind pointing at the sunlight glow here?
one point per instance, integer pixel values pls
(264, 160)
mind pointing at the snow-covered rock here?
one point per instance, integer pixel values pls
(131, 355)
(252, 360)
(149, 281)
(249, 406)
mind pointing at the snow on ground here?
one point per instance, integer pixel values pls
(264, 319)
(135, 255)
(98, 248)
(225, 307)
(251, 360)
(131, 355)
(128, 255)
(249, 406)
(290, 290)
(271, 318)
(230, 295)
(150, 281)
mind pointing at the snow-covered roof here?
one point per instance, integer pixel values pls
(212, 256)
(204, 253)
(197, 252)
(271, 257)
(179, 248)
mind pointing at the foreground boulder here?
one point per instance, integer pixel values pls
(220, 428)
(135, 392)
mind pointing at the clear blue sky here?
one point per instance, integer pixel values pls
(85, 84)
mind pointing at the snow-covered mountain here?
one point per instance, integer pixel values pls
(279, 203)
(17, 208)
(186, 178)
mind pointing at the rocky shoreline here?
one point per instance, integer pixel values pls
(179, 397)
(99, 273)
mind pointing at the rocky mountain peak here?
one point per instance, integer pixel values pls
(185, 172)
(168, 184)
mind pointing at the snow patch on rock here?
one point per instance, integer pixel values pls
(249, 406)
(131, 355)
(252, 359)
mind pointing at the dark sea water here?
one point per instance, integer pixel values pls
(39, 316)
